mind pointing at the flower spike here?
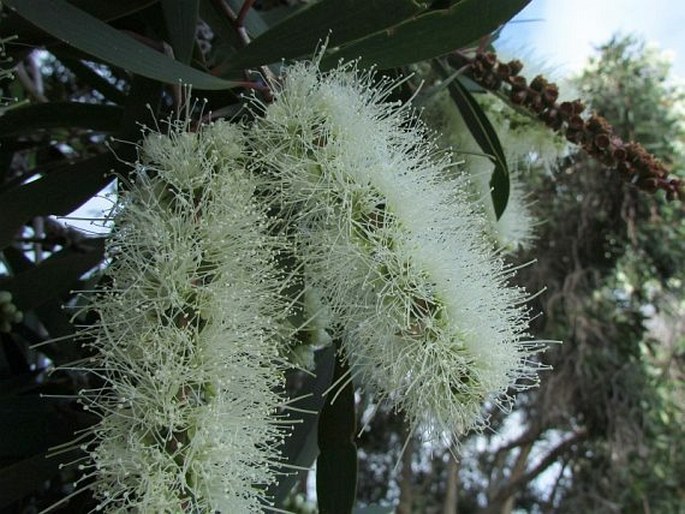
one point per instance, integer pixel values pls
(188, 334)
(390, 240)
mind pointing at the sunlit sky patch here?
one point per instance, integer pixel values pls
(563, 33)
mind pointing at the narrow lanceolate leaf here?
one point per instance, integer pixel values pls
(104, 10)
(486, 137)
(30, 425)
(300, 447)
(181, 20)
(254, 23)
(339, 21)
(430, 34)
(336, 467)
(58, 193)
(69, 186)
(85, 32)
(28, 118)
(21, 478)
(223, 32)
(54, 276)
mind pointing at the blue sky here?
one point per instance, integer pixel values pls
(566, 31)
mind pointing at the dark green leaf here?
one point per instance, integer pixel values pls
(218, 23)
(85, 32)
(181, 21)
(29, 475)
(54, 276)
(19, 383)
(336, 467)
(70, 185)
(273, 17)
(51, 315)
(300, 447)
(58, 193)
(30, 425)
(254, 24)
(486, 137)
(339, 20)
(28, 118)
(105, 10)
(141, 109)
(430, 34)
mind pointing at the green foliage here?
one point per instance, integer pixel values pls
(88, 34)
(336, 465)
(383, 33)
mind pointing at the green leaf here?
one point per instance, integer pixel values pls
(430, 34)
(105, 10)
(85, 32)
(54, 276)
(339, 20)
(31, 117)
(30, 425)
(300, 447)
(486, 137)
(69, 186)
(254, 24)
(29, 475)
(54, 318)
(273, 17)
(20, 383)
(181, 21)
(336, 467)
(59, 193)
(218, 23)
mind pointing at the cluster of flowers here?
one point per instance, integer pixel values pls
(385, 239)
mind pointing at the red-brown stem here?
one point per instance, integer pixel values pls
(247, 4)
(238, 22)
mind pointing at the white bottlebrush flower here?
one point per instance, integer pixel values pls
(188, 336)
(392, 243)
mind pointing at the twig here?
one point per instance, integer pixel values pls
(247, 4)
(238, 22)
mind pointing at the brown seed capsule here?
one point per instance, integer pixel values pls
(602, 141)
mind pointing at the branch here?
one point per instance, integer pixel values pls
(509, 489)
